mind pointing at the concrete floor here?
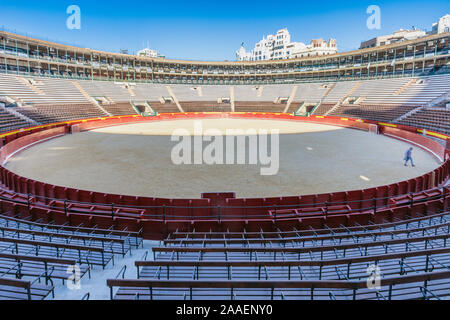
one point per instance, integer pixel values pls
(96, 285)
(136, 160)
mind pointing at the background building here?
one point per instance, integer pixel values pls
(149, 53)
(443, 25)
(279, 46)
(397, 36)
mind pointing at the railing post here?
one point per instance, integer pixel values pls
(219, 213)
(164, 213)
(374, 206)
(65, 207)
(412, 199)
(326, 209)
(29, 204)
(112, 210)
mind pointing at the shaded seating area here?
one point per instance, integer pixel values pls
(9, 122)
(33, 255)
(408, 259)
(58, 113)
(381, 112)
(119, 109)
(436, 119)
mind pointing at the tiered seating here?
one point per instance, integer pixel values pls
(205, 107)
(58, 113)
(164, 107)
(203, 93)
(312, 92)
(423, 91)
(116, 92)
(381, 91)
(262, 93)
(411, 257)
(293, 107)
(119, 109)
(44, 252)
(323, 108)
(382, 112)
(16, 89)
(259, 107)
(50, 100)
(59, 91)
(436, 119)
(43, 91)
(9, 122)
(339, 91)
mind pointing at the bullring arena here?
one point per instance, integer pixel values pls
(132, 159)
(90, 195)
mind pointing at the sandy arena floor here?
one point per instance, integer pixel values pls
(136, 160)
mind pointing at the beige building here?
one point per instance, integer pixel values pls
(397, 36)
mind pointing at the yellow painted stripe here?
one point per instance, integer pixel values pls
(320, 117)
(435, 134)
(345, 119)
(387, 124)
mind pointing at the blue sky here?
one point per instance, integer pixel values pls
(211, 30)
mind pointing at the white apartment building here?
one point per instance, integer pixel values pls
(443, 25)
(149, 53)
(279, 46)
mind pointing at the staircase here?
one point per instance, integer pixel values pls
(130, 91)
(83, 92)
(331, 87)
(405, 86)
(291, 98)
(90, 99)
(174, 97)
(32, 86)
(439, 100)
(343, 99)
(200, 91)
(149, 112)
(260, 91)
(232, 98)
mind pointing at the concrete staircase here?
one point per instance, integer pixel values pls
(130, 91)
(439, 100)
(406, 86)
(343, 98)
(291, 99)
(174, 97)
(91, 100)
(331, 87)
(232, 99)
(30, 84)
(260, 91)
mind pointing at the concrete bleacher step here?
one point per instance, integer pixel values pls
(405, 86)
(31, 85)
(291, 99)
(174, 97)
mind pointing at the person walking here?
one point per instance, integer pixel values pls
(408, 157)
